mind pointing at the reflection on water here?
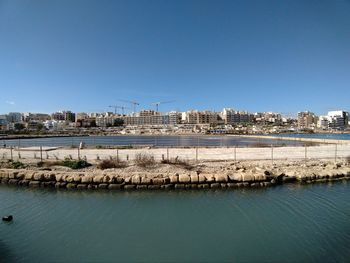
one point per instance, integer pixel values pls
(193, 140)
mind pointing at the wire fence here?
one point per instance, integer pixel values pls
(330, 151)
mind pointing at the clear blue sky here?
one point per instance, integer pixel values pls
(261, 55)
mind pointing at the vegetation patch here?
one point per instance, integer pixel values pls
(111, 163)
(145, 160)
(75, 164)
(178, 162)
(14, 165)
(347, 159)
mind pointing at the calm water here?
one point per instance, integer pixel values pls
(336, 136)
(148, 140)
(288, 223)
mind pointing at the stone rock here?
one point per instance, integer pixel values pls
(86, 179)
(166, 180)
(92, 186)
(119, 180)
(259, 177)
(103, 186)
(289, 179)
(107, 179)
(115, 186)
(174, 179)
(215, 185)
(194, 178)
(58, 177)
(81, 186)
(4, 180)
(184, 178)
(20, 176)
(127, 180)
(221, 178)
(34, 184)
(247, 177)
(205, 186)
(146, 180)
(232, 185)
(4, 174)
(29, 176)
(235, 177)
(39, 176)
(77, 178)
(12, 174)
(168, 186)
(69, 178)
(223, 185)
(201, 179)
(153, 187)
(98, 179)
(71, 186)
(194, 186)
(136, 179)
(141, 187)
(209, 178)
(179, 186)
(13, 181)
(157, 181)
(129, 186)
(23, 182)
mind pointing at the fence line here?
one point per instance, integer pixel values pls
(335, 152)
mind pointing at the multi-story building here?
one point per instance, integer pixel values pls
(57, 116)
(36, 117)
(69, 116)
(3, 123)
(157, 119)
(174, 118)
(306, 120)
(231, 116)
(200, 117)
(338, 119)
(14, 117)
(323, 122)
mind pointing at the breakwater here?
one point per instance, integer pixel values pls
(232, 176)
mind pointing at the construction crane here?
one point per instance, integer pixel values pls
(118, 107)
(134, 103)
(162, 102)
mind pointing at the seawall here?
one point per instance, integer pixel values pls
(231, 178)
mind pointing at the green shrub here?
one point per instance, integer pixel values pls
(75, 164)
(17, 165)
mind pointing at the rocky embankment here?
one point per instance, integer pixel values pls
(204, 176)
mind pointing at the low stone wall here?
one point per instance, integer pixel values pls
(256, 177)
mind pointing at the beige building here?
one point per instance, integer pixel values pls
(307, 120)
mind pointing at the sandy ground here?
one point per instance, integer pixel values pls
(330, 152)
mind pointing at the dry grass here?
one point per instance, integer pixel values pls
(347, 159)
(111, 163)
(178, 162)
(49, 163)
(145, 160)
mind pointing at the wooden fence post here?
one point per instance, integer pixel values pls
(41, 153)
